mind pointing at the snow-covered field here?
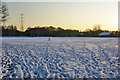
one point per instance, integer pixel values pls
(69, 57)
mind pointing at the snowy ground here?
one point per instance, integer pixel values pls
(59, 58)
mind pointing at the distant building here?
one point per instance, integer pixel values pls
(105, 34)
(81, 34)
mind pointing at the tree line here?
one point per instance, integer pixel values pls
(51, 31)
(39, 31)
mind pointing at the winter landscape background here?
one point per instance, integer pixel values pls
(61, 57)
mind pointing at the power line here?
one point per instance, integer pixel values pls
(21, 17)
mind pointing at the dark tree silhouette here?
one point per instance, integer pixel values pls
(3, 13)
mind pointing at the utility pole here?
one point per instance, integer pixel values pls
(21, 17)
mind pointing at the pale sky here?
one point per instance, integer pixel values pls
(68, 15)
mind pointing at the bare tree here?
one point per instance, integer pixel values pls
(3, 14)
(97, 28)
(88, 30)
(118, 29)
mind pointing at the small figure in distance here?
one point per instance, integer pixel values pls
(48, 38)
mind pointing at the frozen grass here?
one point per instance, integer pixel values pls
(59, 58)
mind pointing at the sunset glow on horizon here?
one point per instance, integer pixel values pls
(68, 15)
